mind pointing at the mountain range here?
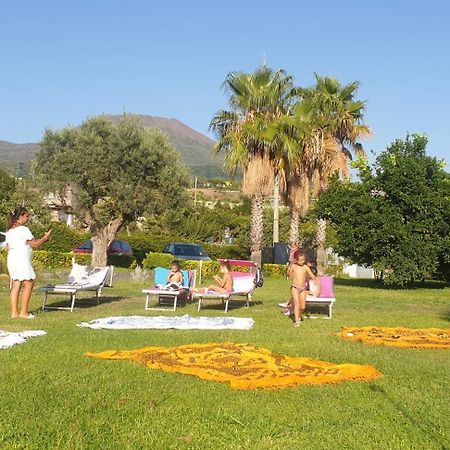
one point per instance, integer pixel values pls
(194, 147)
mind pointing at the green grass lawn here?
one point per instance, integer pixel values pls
(52, 396)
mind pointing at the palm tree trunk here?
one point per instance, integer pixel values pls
(294, 227)
(256, 227)
(276, 211)
(321, 234)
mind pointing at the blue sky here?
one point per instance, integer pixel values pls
(62, 61)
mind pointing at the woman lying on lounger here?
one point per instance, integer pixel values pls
(224, 284)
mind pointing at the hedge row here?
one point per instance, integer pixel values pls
(64, 239)
(209, 268)
(274, 270)
(54, 260)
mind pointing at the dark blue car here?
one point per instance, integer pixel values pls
(181, 250)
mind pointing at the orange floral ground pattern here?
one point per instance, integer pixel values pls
(399, 337)
(242, 366)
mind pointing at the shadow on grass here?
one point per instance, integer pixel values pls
(82, 302)
(378, 284)
(233, 304)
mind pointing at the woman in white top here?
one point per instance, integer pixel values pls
(19, 244)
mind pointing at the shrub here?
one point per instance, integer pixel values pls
(226, 251)
(274, 270)
(153, 260)
(53, 260)
(209, 268)
(64, 239)
(142, 242)
(3, 267)
(129, 262)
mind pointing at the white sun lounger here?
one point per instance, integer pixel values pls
(81, 279)
(243, 286)
(164, 295)
(326, 297)
(321, 301)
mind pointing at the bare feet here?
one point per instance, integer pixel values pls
(28, 316)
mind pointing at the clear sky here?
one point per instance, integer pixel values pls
(62, 60)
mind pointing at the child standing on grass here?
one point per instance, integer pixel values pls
(298, 272)
(224, 284)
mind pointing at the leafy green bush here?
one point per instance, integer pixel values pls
(209, 268)
(143, 242)
(274, 270)
(64, 239)
(51, 260)
(395, 217)
(226, 251)
(3, 267)
(129, 262)
(153, 260)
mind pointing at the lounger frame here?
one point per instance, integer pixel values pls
(73, 289)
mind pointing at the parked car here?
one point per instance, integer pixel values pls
(117, 247)
(180, 250)
(2, 240)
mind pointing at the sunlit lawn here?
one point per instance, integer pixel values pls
(52, 396)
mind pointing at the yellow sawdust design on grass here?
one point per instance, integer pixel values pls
(399, 337)
(242, 366)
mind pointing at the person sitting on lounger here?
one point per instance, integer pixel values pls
(224, 284)
(174, 280)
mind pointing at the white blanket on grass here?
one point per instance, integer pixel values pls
(185, 322)
(9, 338)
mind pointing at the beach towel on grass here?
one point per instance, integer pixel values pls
(243, 366)
(9, 338)
(185, 322)
(399, 337)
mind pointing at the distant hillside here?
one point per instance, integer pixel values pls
(194, 147)
(17, 156)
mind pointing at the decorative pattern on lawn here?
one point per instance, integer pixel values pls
(242, 366)
(399, 337)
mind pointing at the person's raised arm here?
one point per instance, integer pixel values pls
(289, 269)
(36, 243)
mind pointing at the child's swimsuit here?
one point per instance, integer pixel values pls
(299, 289)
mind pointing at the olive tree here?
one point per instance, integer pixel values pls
(116, 172)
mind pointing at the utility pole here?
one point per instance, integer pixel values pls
(195, 192)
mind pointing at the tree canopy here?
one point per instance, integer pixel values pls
(117, 172)
(396, 217)
(7, 185)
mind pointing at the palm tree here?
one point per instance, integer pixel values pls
(342, 120)
(256, 135)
